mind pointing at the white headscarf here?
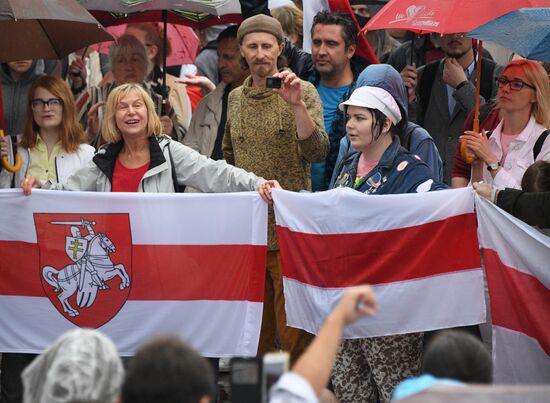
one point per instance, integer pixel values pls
(82, 365)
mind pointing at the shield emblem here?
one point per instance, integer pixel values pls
(75, 247)
(101, 263)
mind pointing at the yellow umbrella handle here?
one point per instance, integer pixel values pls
(467, 155)
(5, 162)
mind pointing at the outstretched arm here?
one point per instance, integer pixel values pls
(316, 363)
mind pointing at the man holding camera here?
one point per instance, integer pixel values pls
(275, 133)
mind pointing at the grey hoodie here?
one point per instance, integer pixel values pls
(14, 95)
(414, 138)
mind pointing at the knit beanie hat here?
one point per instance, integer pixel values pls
(260, 23)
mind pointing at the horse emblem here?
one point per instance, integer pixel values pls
(93, 272)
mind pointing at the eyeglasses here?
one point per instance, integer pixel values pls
(515, 85)
(52, 103)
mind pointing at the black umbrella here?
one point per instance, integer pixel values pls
(50, 29)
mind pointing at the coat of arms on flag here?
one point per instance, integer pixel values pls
(85, 264)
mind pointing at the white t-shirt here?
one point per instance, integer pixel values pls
(292, 388)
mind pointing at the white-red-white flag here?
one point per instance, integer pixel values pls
(133, 266)
(420, 251)
(517, 264)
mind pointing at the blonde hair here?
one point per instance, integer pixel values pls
(128, 45)
(291, 19)
(538, 78)
(109, 129)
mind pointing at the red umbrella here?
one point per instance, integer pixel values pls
(447, 17)
(444, 16)
(183, 41)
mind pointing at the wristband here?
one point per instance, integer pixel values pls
(462, 84)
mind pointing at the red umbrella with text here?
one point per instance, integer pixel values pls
(447, 17)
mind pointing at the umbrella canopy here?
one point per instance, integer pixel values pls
(525, 32)
(444, 16)
(447, 17)
(50, 29)
(183, 41)
(194, 13)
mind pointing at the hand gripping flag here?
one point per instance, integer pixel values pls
(517, 263)
(133, 266)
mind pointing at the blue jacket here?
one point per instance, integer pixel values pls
(414, 138)
(398, 171)
(337, 130)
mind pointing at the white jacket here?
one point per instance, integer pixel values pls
(191, 169)
(66, 164)
(205, 122)
(519, 157)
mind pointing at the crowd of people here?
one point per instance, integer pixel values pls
(276, 116)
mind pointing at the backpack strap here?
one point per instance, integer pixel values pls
(539, 144)
(177, 187)
(425, 90)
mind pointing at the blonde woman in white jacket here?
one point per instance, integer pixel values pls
(52, 145)
(138, 158)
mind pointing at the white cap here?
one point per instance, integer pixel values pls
(374, 98)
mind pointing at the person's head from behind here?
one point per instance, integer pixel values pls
(232, 72)
(524, 86)
(51, 107)
(333, 37)
(457, 355)
(537, 177)
(82, 365)
(292, 20)
(128, 60)
(129, 111)
(166, 370)
(261, 42)
(373, 116)
(151, 35)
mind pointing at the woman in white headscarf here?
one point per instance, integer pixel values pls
(82, 365)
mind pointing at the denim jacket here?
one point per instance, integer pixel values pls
(398, 171)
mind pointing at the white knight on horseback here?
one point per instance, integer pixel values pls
(91, 268)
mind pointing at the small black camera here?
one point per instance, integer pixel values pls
(273, 82)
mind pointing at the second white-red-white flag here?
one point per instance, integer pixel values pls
(420, 251)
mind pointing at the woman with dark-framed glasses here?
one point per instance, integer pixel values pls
(52, 146)
(520, 137)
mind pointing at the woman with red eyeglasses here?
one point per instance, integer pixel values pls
(520, 137)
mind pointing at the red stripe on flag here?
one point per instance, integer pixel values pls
(19, 272)
(342, 260)
(160, 272)
(199, 272)
(519, 301)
